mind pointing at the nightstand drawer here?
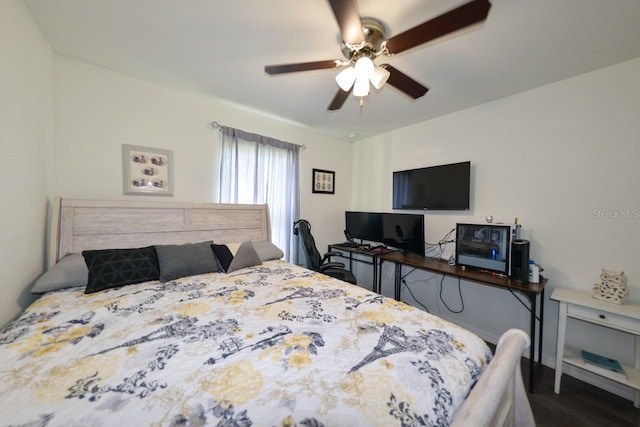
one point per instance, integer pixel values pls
(611, 320)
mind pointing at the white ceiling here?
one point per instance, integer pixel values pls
(220, 47)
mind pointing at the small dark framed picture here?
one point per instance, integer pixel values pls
(324, 181)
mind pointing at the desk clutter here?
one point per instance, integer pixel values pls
(365, 247)
(355, 245)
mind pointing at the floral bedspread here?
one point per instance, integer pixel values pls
(270, 345)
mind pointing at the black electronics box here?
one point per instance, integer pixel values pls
(520, 261)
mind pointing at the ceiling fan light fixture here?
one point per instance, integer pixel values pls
(379, 77)
(364, 39)
(345, 78)
(361, 86)
(364, 67)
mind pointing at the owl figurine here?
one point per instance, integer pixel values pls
(612, 287)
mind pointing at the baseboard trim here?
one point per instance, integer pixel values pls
(596, 380)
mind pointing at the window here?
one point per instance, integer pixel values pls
(259, 169)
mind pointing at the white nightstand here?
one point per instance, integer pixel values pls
(582, 306)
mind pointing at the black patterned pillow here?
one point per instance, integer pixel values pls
(110, 268)
(234, 256)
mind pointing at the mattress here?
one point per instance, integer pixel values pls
(269, 345)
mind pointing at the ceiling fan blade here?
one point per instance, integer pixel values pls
(456, 19)
(406, 84)
(302, 66)
(348, 16)
(338, 100)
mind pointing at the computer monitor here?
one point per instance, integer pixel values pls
(364, 225)
(401, 231)
(404, 231)
(483, 246)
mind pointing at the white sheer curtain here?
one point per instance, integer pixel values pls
(259, 169)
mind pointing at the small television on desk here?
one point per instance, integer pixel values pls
(484, 246)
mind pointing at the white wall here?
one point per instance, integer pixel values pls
(26, 145)
(98, 110)
(562, 158)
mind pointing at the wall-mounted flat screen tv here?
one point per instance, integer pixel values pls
(443, 187)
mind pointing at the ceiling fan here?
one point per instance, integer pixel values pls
(364, 39)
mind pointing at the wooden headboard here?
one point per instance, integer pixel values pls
(78, 225)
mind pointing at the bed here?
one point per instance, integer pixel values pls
(250, 341)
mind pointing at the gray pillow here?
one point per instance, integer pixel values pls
(70, 272)
(233, 257)
(267, 250)
(186, 260)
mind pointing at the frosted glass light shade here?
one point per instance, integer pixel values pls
(361, 86)
(379, 77)
(364, 67)
(359, 75)
(345, 78)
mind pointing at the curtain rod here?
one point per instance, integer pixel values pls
(216, 125)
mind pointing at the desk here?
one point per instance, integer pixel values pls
(533, 291)
(370, 252)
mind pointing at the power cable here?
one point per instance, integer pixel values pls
(459, 292)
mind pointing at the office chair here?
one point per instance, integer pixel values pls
(315, 261)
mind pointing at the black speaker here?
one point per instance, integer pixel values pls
(520, 261)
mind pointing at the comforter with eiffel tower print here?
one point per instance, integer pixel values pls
(269, 345)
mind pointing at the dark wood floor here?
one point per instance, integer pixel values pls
(578, 404)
